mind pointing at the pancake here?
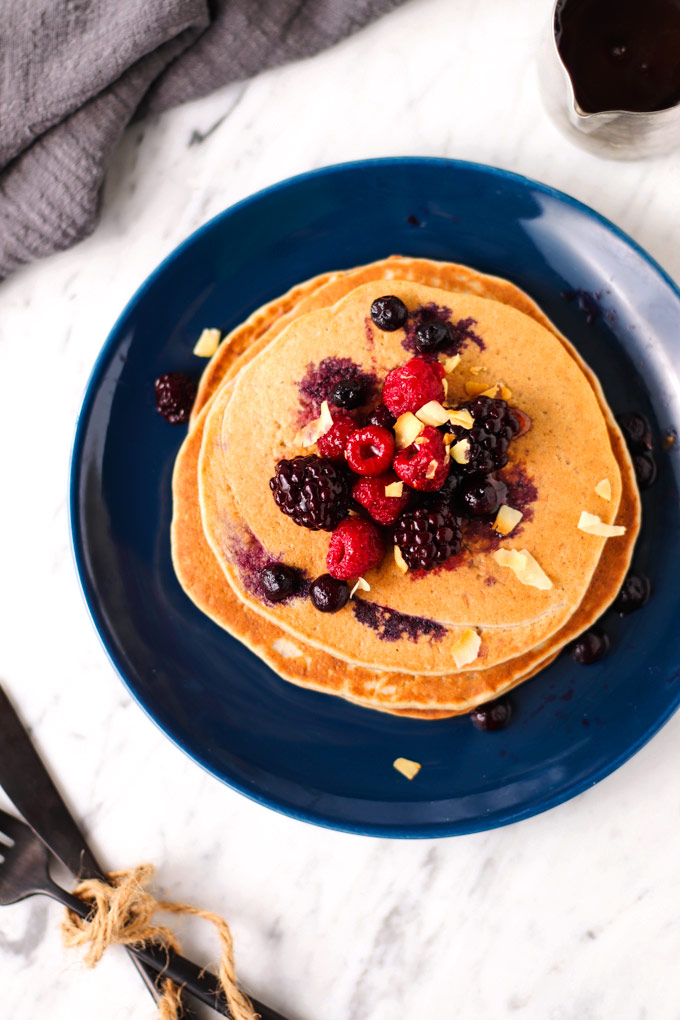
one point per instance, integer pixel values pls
(567, 448)
(204, 582)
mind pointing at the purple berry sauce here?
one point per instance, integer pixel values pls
(587, 303)
(320, 379)
(250, 558)
(462, 332)
(391, 625)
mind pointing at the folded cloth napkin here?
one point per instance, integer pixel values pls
(74, 73)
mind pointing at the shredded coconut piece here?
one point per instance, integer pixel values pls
(407, 767)
(466, 649)
(593, 525)
(207, 343)
(604, 489)
(361, 584)
(507, 519)
(524, 566)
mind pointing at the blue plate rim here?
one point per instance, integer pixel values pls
(385, 830)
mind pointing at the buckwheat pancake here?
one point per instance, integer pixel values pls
(322, 291)
(204, 582)
(567, 448)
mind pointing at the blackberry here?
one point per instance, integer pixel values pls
(389, 313)
(495, 426)
(175, 395)
(314, 491)
(427, 536)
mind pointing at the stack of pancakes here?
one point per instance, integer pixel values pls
(397, 654)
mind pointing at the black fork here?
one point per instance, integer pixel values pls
(24, 872)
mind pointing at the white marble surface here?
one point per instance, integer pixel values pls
(573, 915)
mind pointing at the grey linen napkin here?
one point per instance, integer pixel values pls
(74, 73)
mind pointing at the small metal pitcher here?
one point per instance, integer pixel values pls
(612, 134)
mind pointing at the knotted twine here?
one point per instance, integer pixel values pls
(123, 913)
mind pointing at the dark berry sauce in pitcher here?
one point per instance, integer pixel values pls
(621, 54)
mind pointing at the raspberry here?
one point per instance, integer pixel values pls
(175, 395)
(356, 546)
(369, 450)
(428, 537)
(370, 493)
(332, 444)
(315, 492)
(411, 385)
(494, 427)
(382, 416)
(414, 464)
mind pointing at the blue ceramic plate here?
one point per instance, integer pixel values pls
(311, 755)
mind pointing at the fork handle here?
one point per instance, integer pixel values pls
(200, 982)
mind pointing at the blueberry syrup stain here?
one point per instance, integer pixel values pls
(462, 332)
(250, 558)
(413, 220)
(391, 625)
(587, 303)
(368, 329)
(320, 379)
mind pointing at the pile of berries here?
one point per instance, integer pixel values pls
(373, 490)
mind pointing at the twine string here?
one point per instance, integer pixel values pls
(123, 914)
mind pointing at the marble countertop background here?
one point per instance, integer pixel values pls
(572, 915)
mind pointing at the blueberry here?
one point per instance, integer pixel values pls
(634, 594)
(645, 469)
(389, 313)
(494, 715)
(432, 336)
(347, 393)
(328, 594)
(279, 582)
(381, 416)
(590, 647)
(480, 498)
(637, 431)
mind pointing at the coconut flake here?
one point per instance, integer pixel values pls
(604, 489)
(406, 429)
(314, 430)
(460, 451)
(524, 566)
(593, 525)
(433, 413)
(207, 343)
(462, 418)
(362, 584)
(431, 470)
(394, 489)
(466, 649)
(473, 389)
(507, 519)
(399, 560)
(407, 767)
(451, 363)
